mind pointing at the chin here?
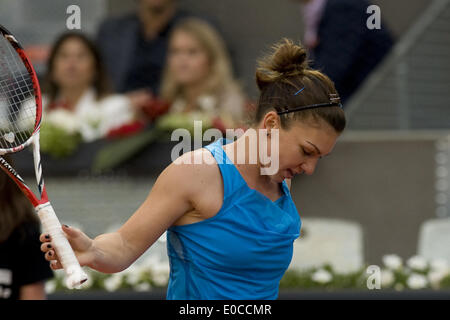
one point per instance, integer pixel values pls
(279, 178)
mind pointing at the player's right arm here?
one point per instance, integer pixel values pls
(168, 200)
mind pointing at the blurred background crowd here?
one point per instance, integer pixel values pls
(137, 68)
(164, 61)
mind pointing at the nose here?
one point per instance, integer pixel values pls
(309, 166)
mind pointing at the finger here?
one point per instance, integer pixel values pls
(70, 231)
(51, 255)
(46, 246)
(77, 239)
(45, 237)
(55, 265)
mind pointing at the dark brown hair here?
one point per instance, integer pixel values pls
(15, 209)
(101, 82)
(282, 74)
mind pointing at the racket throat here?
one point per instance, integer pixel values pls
(38, 169)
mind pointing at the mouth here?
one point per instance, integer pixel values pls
(290, 174)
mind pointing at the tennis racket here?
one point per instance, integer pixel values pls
(20, 120)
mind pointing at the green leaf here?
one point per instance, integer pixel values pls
(118, 152)
(57, 142)
(177, 120)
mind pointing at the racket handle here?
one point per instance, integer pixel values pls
(75, 275)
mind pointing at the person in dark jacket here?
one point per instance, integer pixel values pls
(134, 46)
(340, 43)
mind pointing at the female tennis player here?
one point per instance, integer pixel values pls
(230, 229)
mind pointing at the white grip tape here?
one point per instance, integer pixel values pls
(75, 275)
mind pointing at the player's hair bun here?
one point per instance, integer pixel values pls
(287, 59)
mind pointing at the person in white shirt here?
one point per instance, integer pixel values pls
(76, 90)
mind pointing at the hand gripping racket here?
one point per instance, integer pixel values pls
(20, 120)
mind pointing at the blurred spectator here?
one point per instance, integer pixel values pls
(134, 47)
(76, 91)
(340, 43)
(198, 78)
(23, 269)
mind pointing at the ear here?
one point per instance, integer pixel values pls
(271, 121)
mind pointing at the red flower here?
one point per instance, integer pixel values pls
(218, 124)
(126, 130)
(155, 108)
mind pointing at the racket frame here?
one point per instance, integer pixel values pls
(75, 276)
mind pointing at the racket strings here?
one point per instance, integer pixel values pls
(17, 99)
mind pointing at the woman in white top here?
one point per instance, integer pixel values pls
(76, 90)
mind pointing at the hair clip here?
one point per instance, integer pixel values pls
(312, 106)
(334, 96)
(334, 102)
(299, 91)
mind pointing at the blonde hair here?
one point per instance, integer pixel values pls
(220, 78)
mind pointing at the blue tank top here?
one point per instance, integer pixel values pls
(242, 252)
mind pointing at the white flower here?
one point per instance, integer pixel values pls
(439, 265)
(435, 277)
(392, 261)
(114, 111)
(387, 278)
(50, 286)
(417, 263)
(133, 275)
(27, 115)
(398, 287)
(417, 281)
(207, 103)
(92, 116)
(321, 276)
(63, 119)
(160, 273)
(145, 286)
(113, 282)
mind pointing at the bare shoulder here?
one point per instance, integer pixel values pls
(195, 170)
(198, 174)
(185, 185)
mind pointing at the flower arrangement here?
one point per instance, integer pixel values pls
(176, 120)
(323, 277)
(90, 120)
(59, 134)
(62, 132)
(152, 273)
(417, 273)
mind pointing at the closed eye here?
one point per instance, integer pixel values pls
(305, 152)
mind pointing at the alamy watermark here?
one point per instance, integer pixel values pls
(374, 20)
(374, 278)
(73, 21)
(254, 148)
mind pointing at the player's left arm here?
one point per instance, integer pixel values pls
(171, 197)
